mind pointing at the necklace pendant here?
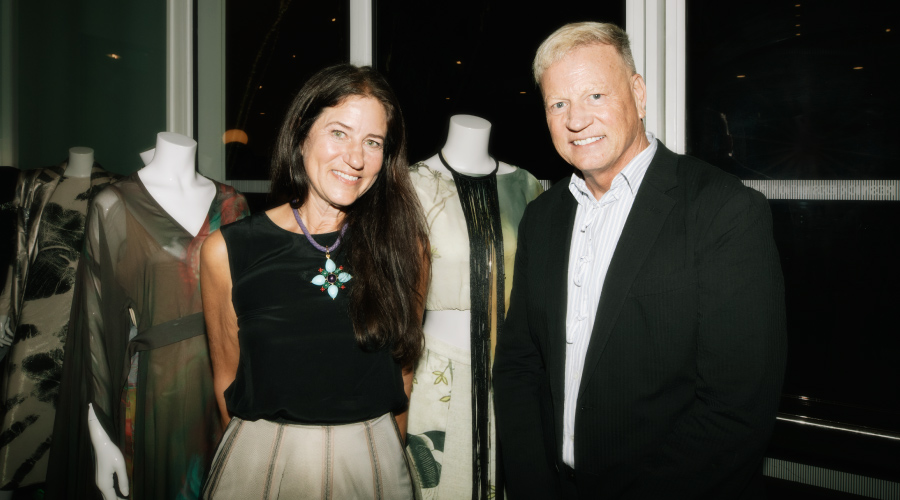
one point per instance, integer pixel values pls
(331, 278)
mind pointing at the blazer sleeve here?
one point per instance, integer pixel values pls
(716, 449)
(520, 381)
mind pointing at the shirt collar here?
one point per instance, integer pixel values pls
(631, 176)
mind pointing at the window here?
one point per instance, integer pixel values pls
(272, 48)
(84, 73)
(797, 99)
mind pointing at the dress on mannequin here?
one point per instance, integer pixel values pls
(51, 205)
(137, 347)
(441, 413)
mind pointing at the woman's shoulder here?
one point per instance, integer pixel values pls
(253, 223)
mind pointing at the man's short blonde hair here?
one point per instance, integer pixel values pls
(574, 35)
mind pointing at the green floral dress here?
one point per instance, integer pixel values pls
(439, 433)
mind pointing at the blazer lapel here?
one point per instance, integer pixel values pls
(648, 214)
(562, 221)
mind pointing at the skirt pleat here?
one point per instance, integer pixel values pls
(270, 460)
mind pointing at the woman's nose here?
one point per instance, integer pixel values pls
(354, 157)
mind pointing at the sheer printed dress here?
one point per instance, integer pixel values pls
(439, 433)
(50, 214)
(137, 348)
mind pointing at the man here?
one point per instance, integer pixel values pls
(644, 348)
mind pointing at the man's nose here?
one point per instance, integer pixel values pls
(577, 118)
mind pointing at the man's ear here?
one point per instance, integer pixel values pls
(639, 89)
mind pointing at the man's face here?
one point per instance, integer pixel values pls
(594, 107)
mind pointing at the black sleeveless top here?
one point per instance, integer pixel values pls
(299, 359)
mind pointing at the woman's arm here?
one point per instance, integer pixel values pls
(221, 320)
(401, 418)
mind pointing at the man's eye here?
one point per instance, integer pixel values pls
(596, 97)
(558, 105)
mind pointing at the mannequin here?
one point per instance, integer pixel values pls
(466, 150)
(174, 183)
(466, 301)
(51, 206)
(79, 165)
(139, 313)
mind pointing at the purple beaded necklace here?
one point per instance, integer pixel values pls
(332, 277)
(313, 242)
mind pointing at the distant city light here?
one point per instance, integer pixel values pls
(458, 62)
(742, 76)
(113, 56)
(857, 67)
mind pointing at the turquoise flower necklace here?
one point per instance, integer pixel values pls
(332, 277)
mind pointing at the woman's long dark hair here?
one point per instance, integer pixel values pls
(387, 240)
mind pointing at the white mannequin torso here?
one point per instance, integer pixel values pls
(172, 180)
(466, 151)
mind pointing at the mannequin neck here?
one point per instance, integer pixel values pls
(172, 180)
(147, 156)
(80, 162)
(173, 161)
(466, 149)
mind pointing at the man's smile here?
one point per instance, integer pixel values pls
(582, 142)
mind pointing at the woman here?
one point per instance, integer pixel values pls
(314, 307)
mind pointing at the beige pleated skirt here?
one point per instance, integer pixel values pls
(269, 460)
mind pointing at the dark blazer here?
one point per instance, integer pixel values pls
(686, 359)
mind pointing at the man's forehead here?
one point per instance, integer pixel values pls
(584, 66)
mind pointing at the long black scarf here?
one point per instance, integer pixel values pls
(481, 208)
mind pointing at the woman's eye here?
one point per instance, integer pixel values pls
(373, 143)
(338, 133)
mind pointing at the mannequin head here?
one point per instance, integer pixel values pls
(329, 88)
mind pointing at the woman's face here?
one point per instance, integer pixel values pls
(344, 151)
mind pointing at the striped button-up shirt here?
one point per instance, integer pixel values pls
(598, 225)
